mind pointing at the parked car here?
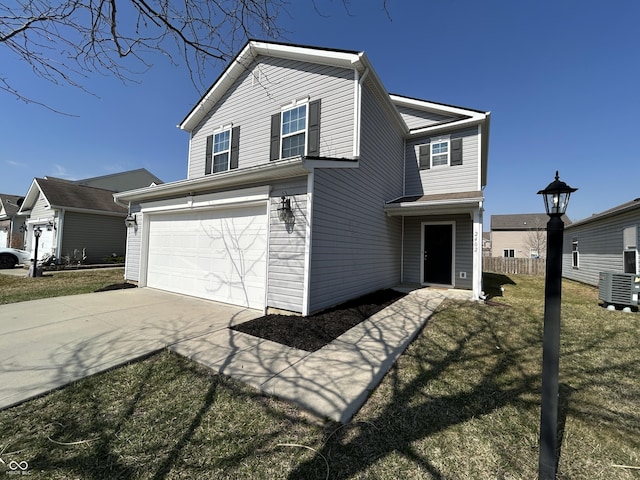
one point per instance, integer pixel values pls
(10, 257)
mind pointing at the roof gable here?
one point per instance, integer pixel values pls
(9, 204)
(61, 194)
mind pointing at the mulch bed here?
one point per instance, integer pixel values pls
(116, 286)
(314, 332)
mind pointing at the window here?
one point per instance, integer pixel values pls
(294, 126)
(440, 152)
(508, 253)
(575, 254)
(222, 150)
(533, 253)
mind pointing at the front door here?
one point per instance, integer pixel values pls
(438, 253)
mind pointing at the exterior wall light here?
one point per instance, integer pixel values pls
(130, 221)
(284, 210)
(556, 198)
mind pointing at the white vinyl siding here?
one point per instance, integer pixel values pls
(601, 246)
(267, 86)
(41, 209)
(355, 246)
(134, 245)
(444, 179)
(287, 248)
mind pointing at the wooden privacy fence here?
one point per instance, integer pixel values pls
(522, 266)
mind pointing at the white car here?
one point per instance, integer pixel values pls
(10, 257)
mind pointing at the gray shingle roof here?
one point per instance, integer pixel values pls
(10, 203)
(523, 221)
(63, 194)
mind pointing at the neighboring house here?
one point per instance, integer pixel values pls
(604, 242)
(11, 225)
(522, 235)
(79, 219)
(309, 184)
(486, 244)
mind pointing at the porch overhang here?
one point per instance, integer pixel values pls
(437, 204)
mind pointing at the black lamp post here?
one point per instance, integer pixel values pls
(36, 233)
(556, 198)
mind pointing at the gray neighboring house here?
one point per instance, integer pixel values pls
(80, 216)
(309, 184)
(11, 225)
(605, 242)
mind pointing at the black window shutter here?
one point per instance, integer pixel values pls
(208, 158)
(235, 143)
(313, 140)
(275, 137)
(456, 151)
(424, 154)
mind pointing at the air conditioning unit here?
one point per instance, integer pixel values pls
(621, 289)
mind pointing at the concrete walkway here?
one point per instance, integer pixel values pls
(46, 344)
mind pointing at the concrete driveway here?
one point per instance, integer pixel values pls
(48, 343)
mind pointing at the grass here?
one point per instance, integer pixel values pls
(462, 402)
(19, 289)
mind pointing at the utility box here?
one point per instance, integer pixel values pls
(621, 289)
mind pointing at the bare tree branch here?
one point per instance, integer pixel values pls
(65, 41)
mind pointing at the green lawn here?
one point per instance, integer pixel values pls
(462, 402)
(21, 288)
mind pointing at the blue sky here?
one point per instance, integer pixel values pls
(560, 78)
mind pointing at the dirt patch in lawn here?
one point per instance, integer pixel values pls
(314, 332)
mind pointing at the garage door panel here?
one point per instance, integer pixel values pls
(219, 255)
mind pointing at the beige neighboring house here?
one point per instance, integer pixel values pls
(522, 235)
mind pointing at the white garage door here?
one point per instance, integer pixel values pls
(215, 254)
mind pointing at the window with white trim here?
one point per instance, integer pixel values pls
(509, 253)
(294, 131)
(575, 254)
(440, 151)
(221, 150)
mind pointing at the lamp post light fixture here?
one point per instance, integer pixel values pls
(37, 231)
(556, 198)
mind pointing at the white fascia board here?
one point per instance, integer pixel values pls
(264, 173)
(443, 127)
(305, 54)
(436, 107)
(89, 211)
(463, 205)
(31, 198)
(242, 197)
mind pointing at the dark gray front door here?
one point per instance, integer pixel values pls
(438, 253)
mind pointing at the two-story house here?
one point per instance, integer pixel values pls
(309, 184)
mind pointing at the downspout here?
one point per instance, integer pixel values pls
(357, 109)
(306, 293)
(59, 233)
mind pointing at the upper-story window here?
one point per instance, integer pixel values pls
(295, 131)
(441, 151)
(222, 150)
